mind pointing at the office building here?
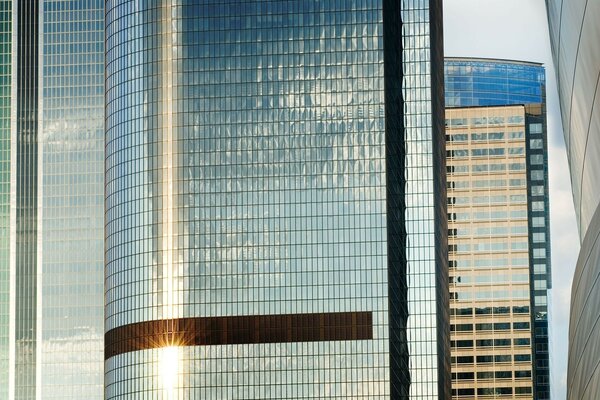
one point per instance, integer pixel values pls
(51, 207)
(499, 244)
(574, 34)
(275, 202)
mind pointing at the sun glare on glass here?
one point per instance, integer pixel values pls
(168, 364)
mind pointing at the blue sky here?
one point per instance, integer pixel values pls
(517, 29)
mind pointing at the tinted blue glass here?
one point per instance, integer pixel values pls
(484, 83)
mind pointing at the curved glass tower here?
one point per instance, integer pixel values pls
(274, 206)
(574, 31)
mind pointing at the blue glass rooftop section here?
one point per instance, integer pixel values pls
(488, 82)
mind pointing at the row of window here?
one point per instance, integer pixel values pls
(486, 215)
(492, 152)
(493, 183)
(498, 391)
(490, 342)
(502, 294)
(488, 262)
(481, 168)
(498, 358)
(488, 247)
(489, 199)
(491, 375)
(493, 136)
(493, 120)
(491, 278)
(483, 136)
(489, 310)
(465, 231)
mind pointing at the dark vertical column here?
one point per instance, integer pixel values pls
(540, 264)
(438, 136)
(395, 183)
(26, 207)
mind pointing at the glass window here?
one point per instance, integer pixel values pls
(537, 206)
(536, 143)
(537, 190)
(461, 327)
(458, 121)
(459, 137)
(537, 159)
(516, 151)
(520, 325)
(537, 175)
(539, 268)
(538, 222)
(522, 357)
(522, 341)
(539, 284)
(522, 374)
(535, 128)
(516, 119)
(539, 253)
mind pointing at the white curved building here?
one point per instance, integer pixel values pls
(574, 31)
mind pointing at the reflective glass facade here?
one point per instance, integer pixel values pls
(259, 158)
(51, 234)
(71, 166)
(499, 227)
(573, 32)
(425, 193)
(25, 201)
(486, 82)
(5, 146)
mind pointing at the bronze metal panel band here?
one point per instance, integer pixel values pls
(251, 329)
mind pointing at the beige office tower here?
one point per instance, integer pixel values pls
(491, 202)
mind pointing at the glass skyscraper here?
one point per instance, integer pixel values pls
(275, 200)
(499, 238)
(51, 207)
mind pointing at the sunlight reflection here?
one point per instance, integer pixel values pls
(168, 368)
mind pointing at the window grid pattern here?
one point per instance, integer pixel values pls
(539, 242)
(489, 257)
(425, 222)
(245, 175)
(72, 166)
(480, 82)
(5, 148)
(26, 205)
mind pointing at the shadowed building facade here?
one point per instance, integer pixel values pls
(275, 202)
(574, 33)
(498, 228)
